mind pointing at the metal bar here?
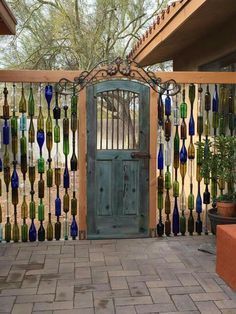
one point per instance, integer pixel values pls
(107, 123)
(134, 117)
(101, 122)
(112, 121)
(128, 115)
(118, 117)
(123, 116)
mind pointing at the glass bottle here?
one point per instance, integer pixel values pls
(167, 212)
(182, 209)
(215, 110)
(160, 109)
(200, 113)
(175, 223)
(160, 158)
(191, 207)
(49, 138)
(199, 211)
(176, 150)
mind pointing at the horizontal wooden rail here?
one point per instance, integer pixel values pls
(51, 76)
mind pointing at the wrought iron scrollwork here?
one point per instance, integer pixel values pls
(123, 68)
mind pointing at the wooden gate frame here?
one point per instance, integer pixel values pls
(118, 69)
(82, 140)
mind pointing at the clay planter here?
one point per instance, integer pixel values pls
(226, 209)
(216, 219)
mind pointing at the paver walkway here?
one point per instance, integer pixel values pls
(166, 275)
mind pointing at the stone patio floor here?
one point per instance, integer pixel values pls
(166, 275)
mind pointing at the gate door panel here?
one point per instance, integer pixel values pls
(117, 159)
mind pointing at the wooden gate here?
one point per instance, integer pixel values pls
(117, 159)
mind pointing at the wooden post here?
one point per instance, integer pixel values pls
(152, 164)
(82, 166)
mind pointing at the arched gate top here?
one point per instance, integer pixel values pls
(119, 69)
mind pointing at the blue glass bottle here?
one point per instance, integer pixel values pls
(6, 133)
(160, 159)
(66, 178)
(48, 94)
(191, 126)
(215, 101)
(40, 139)
(74, 229)
(199, 203)
(14, 179)
(58, 206)
(168, 105)
(32, 232)
(183, 154)
(175, 223)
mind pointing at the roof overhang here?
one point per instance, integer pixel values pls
(179, 27)
(7, 20)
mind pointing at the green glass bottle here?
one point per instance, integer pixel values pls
(57, 133)
(66, 136)
(31, 132)
(24, 215)
(31, 104)
(183, 110)
(176, 149)
(167, 212)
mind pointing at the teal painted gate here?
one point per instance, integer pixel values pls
(117, 159)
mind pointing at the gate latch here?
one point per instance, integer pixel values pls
(140, 155)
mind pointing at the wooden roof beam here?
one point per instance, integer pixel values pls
(162, 32)
(7, 20)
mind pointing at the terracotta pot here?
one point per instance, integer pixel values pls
(226, 209)
(216, 219)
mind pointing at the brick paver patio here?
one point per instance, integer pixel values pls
(166, 275)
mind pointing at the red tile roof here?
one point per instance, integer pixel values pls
(162, 18)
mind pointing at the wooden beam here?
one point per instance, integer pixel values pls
(152, 163)
(199, 77)
(82, 165)
(44, 76)
(141, 55)
(37, 76)
(7, 20)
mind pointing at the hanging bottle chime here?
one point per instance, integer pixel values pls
(14, 176)
(49, 143)
(57, 164)
(31, 138)
(66, 176)
(222, 107)
(183, 162)
(23, 161)
(6, 161)
(207, 128)
(160, 165)
(41, 165)
(198, 162)
(176, 158)
(215, 124)
(73, 166)
(168, 155)
(191, 156)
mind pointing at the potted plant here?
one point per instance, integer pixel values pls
(218, 165)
